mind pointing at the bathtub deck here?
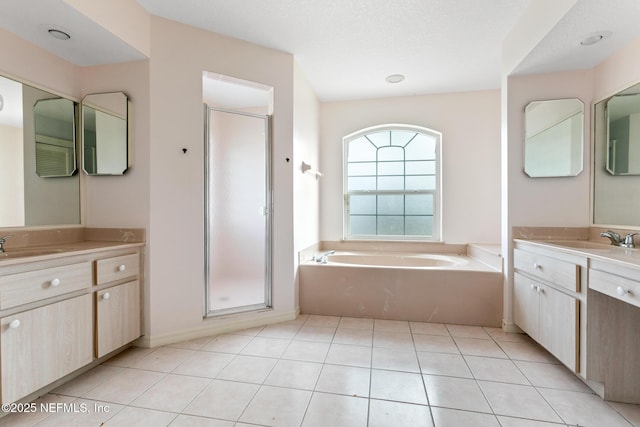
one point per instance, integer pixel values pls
(467, 296)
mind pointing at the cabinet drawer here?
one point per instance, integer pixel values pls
(117, 268)
(23, 288)
(551, 270)
(617, 287)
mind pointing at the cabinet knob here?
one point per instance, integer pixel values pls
(122, 267)
(621, 291)
(537, 266)
(106, 295)
(539, 288)
(55, 282)
(14, 324)
(533, 287)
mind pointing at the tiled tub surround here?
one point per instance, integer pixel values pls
(338, 372)
(458, 289)
(68, 297)
(602, 284)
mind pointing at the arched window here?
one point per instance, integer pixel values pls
(392, 183)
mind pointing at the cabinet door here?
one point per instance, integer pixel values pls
(559, 326)
(525, 305)
(118, 316)
(42, 345)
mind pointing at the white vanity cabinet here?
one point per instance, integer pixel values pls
(117, 306)
(60, 313)
(41, 345)
(547, 302)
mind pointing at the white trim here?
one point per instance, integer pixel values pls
(216, 326)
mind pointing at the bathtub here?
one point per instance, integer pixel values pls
(442, 288)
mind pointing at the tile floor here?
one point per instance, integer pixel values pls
(330, 372)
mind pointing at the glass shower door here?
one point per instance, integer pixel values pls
(237, 248)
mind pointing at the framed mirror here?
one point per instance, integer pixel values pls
(105, 144)
(554, 138)
(55, 125)
(27, 198)
(623, 134)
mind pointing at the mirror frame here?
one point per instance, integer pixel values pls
(550, 125)
(90, 104)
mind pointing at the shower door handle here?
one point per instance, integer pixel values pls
(264, 211)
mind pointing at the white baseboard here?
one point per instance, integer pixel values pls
(215, 326)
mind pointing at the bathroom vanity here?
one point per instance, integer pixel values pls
(581, 301)
(66, 305)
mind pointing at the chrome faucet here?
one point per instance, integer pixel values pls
(3, 239)
(616, 240)
(323, 257)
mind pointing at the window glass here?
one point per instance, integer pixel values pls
(392, 183)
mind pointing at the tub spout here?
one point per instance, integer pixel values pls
(322, 258)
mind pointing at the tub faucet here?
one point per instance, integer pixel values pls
(616, 240)
(3, 239)
(322, 258)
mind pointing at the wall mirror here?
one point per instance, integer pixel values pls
(616, 172)
(623, 134)
(554, 138)
(104, 133)
(55, 123)
(29, 199)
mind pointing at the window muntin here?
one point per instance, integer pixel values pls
(392, 183)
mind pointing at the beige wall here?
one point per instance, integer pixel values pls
(470, 126)
(551, 202)
(179, 55)
(306, 188)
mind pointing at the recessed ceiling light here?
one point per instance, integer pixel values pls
(59, 34)
(595, 38)
(395, 78)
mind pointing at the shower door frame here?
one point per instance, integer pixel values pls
(267, 212)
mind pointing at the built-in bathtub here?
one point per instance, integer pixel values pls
(443, 288)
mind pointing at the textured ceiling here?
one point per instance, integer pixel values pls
(346, 48)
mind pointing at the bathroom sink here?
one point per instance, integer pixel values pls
(26, 252)
(580, 244)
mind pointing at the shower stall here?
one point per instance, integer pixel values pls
(237, 208)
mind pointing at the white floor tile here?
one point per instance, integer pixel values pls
(395, 360)
(455, 393)
(336, 411)
(350, 355)
(224, 400)
(294, 374)
(583, 409)
(331, 371)
(383, 413)
(452, 365)
(500, 370)
(397, 386)
(248, 369)
(455, 418)
(346, 380)
(518, 401)
(277, 406)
